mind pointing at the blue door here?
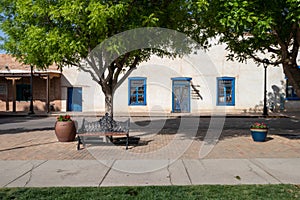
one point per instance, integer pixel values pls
(74, 99)
(181, 95)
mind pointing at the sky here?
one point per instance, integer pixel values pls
(1, 34)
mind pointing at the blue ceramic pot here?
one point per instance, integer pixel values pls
(259, 135)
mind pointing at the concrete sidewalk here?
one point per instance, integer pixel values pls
(49, 173)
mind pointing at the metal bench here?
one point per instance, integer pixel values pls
(106, 127)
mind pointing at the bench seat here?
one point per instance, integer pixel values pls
(106, 127)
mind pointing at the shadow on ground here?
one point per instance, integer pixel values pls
(197, 128)
(24, 130)
(18, 119)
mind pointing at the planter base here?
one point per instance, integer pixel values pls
(65, 131)
(259, 135)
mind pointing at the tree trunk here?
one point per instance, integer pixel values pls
(109, 103)
(111, 82)
(293, 75)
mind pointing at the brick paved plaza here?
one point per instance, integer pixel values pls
(235, 142)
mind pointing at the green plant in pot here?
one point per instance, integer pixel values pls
(64, 118)
(259, 131)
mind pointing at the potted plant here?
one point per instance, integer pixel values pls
(259, 131)
(65, 129)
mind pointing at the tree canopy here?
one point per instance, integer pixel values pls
(255, 29)
(43, 32)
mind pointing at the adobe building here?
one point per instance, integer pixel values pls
(15, 93)
(195, 84)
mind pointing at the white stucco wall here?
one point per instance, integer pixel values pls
(203, 68)
(92, 97)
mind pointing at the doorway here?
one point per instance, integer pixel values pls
(74, 99)
(181, 101)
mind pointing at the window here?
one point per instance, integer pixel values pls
(3, 89)
(137, 91)
(181, 94)
(290, 92)
(23, 92)
(225, 91)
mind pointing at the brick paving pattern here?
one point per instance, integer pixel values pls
(38, 145)
(43, 145)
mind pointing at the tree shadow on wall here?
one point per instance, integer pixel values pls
(275, 100)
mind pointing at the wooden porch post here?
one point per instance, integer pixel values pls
(48, 94)
(48, 78)
(7, 97)
(14, 91)
(14, 94)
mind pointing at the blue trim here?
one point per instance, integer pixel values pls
(181, 79)
(173, 108)
(292, 98)
(137, 94)
(74, 95)
(290, 90)
(172, 95)
(182, 84)
(232, 103)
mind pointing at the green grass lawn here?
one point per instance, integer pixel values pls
(157, 192)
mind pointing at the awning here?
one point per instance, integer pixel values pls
(25, 73)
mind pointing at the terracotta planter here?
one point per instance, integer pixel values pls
(65, 131)
(259, 135)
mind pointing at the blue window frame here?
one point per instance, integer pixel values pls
(290, 92)
(181, 93)
(137, 91)
(225, 91)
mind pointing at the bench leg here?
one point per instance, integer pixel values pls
(127, 141)
(105, 139)
(79, 142)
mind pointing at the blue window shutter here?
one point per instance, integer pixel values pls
(225, 91)
(181, 93)
(74, 96)
(137, 91)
